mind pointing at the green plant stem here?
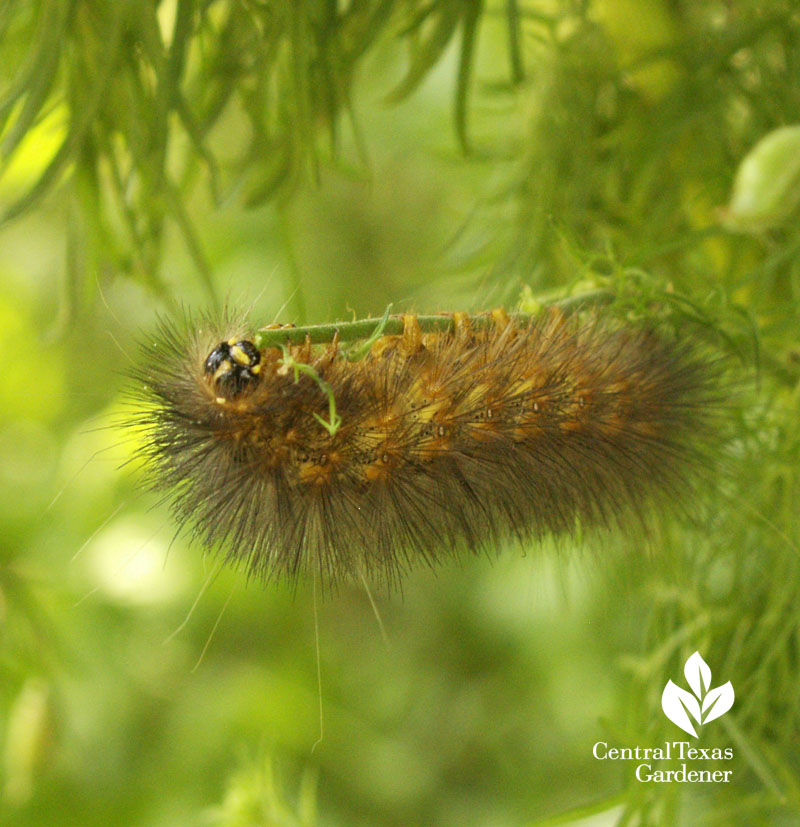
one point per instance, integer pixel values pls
(393, 325)
(334, 421)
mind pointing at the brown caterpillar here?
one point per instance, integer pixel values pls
(295, 459)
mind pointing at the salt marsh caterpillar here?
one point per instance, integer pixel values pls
(297, 458)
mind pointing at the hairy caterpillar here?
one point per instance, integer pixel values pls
(298, 459)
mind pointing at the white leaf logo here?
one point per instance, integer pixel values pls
(698, 674)
(717, 702)
(704, 705)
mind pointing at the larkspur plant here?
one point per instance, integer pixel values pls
(168, 153)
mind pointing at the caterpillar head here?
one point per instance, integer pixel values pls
(233, 367)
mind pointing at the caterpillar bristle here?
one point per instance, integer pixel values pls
(295, 460)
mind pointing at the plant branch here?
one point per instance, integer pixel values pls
(393, 325)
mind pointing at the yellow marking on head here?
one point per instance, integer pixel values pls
(232, 342)
(240, 356)
(224, 367)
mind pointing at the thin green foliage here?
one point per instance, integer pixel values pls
(137, 91)
(288, 362)
(255, 797)
(611, 176)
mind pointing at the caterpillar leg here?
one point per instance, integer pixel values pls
(327, 357)
(500, 318)
(462, 327)
(303, 353)
(411, 342)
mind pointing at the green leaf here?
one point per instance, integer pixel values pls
(427, 54)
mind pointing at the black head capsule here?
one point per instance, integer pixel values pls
(232, 367)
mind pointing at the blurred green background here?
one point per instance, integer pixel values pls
(318, 159)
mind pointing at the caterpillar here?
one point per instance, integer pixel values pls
(293, 457)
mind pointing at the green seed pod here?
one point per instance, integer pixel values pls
(766, 189)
